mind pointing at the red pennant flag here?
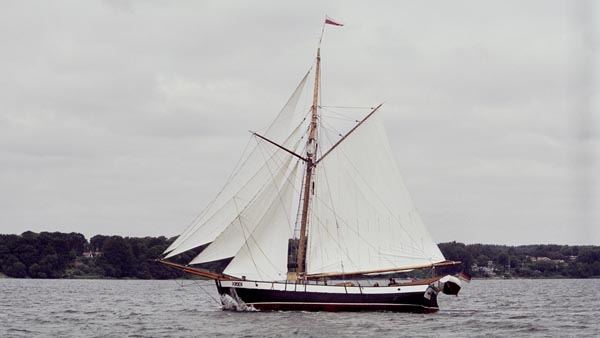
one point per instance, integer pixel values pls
(331, 22)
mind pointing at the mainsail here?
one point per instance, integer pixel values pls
(362, 216)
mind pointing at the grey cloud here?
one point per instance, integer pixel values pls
(126, 116)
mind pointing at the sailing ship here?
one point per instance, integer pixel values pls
(305, 225)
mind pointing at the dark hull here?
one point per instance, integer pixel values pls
(275, 300)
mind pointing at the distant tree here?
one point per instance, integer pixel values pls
(97, 242)
(589, 255)
(482, 260)
(515, 261)
(17, 270)
(117, 257)
(35, 271)
(502, 259)
(456, 252)
(27, 253)
(3, 248)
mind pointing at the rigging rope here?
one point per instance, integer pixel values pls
(391, 213)
(251, 233)
(355, 231)
(208, 293)
(279, 159)
(233, 173)
(182, 285)
(348, 107)
(337, 224)
(244, 233)
(383, 203)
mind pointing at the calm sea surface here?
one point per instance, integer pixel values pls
(131, 308)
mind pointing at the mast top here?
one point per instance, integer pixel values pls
(311, 151)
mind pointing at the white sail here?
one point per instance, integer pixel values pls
(362, 217)
(270, 157)
(247, 179)
(264, 253)
(229, 241)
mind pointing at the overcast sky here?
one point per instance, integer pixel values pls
(125, 117)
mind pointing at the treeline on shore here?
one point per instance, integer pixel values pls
(71, 255)
(525, 261)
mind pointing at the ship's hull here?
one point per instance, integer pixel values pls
(276, 296)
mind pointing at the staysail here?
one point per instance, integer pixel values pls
(263, 256)
(247, 180)
(231, 239)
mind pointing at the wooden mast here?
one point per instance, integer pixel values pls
(311, 150)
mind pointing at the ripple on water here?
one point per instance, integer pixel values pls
(100, 308)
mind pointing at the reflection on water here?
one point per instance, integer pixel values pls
(100, 308)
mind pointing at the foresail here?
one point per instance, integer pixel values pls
(362, 217)
(211, 227)
(246, 180)
(263, 256)
(229, 241)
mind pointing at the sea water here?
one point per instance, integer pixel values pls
(139, 308)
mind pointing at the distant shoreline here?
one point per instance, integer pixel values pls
(56, 255)
(2, 276)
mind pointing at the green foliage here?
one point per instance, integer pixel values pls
(60, 255)
(525, 260)
(43, 255)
